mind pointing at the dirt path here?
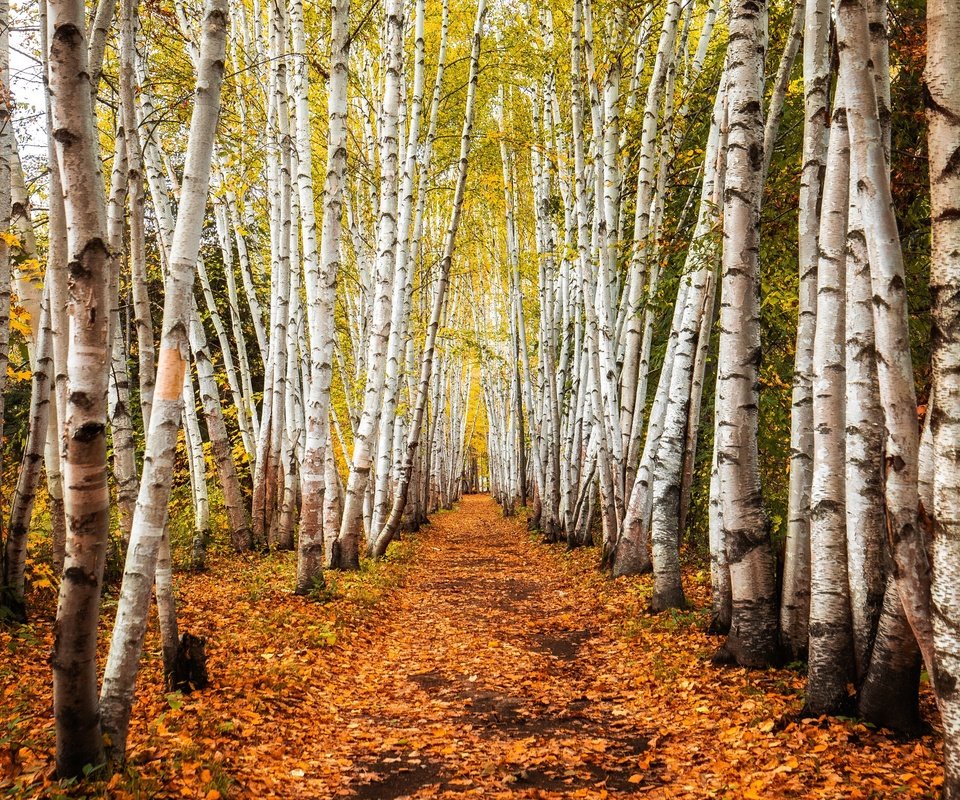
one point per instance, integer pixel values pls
(492, 656)
(504, 668)
(482, 664)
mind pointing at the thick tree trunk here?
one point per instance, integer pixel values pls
(911, 568)
(890, 694)
(943, 117)
(753, 628)
(86, 496)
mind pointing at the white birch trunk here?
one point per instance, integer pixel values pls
(84, 444)
(392, 524)
(753, 628)
(911, 568)
(402, 284)
(346, 548)
(152, 504)
(316, 535)
(943, 117)
(14, 557)
(866, 531)
(667, 465)
(143, 321)
(830, 658)
(795, 599)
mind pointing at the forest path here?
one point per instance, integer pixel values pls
(493, 676)
(505, 668)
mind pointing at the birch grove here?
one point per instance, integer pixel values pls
(282, 277)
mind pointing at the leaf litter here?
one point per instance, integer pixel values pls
(475, 661)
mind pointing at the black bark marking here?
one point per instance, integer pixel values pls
(89, 431)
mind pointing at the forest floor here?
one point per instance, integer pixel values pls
(475, 661)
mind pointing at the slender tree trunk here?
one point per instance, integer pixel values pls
(795, 601)
(668, 465)
(830, 623)
(14, 558)
(346, 548)
(56, 280)
(150, 516)
(403, 279)
(316, 537)
(143, 319)
(392, 525)
(36, 302)
(866, 532)
(634, 380)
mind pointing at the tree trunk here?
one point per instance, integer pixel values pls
(392, 525)
(753, 628)
(86, 497)
(911, 568)
(943, 117)
(316, 538)
(830, 624)
(14, 557)
(150, 516)
(795, 601)
(346, 548)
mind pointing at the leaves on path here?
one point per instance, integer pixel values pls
(476, 661)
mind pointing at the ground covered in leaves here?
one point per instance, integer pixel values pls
(475, 661)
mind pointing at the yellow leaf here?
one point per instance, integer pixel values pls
(635, 778)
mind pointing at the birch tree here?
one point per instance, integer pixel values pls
(746, 535)
(830, 624)
(392, 524)
(316, 491)
(943, 118)
(150, 516)
(911, 568)
(794, 609)
(346, 547)
(84, 444)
